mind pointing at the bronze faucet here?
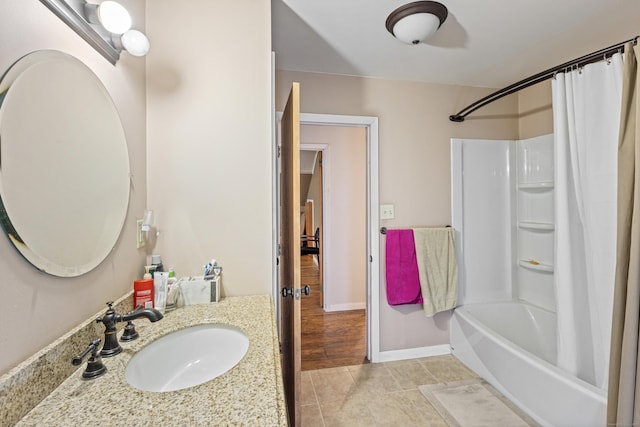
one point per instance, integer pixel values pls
(111, 318)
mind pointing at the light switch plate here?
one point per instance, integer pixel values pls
(387, 212)
(139, 234)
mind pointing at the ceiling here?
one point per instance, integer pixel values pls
(489, 43)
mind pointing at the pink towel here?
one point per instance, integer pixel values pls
(403, 278)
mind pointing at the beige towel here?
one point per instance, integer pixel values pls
(436, 255)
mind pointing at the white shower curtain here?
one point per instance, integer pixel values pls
(586, 113)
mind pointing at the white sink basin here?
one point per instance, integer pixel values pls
(187, 357)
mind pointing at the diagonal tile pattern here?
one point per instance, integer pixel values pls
(382, 394)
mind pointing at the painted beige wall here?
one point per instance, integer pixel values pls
(315, 193)
(209, 138)
(534, 111)
(345, 164)
(36, 308)
(414, 165)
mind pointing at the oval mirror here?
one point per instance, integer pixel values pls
(64, 164)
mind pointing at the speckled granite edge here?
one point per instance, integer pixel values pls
(26, 385)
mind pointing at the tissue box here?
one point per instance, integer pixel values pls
(197, 290)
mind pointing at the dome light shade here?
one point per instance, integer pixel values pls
(135, 42)
(114, 17)
(415, 22)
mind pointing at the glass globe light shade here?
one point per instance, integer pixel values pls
(414, 29)
(114, 17)
(135, 42)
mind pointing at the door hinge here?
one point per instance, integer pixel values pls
(370, 258)
(279, 151)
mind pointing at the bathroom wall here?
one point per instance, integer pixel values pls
(209, 138)
(315, 193)
(345, 168)
(36, 308)
(414, 165)
(534, 111)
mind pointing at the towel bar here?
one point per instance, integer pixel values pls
(383, 230)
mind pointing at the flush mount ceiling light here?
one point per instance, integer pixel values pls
(417, 21)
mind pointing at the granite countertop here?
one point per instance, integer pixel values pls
(250, 394)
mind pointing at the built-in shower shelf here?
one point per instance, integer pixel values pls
(546, 268)
(533, 225)
(536, 186)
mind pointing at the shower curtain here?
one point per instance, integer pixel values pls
(623, 407)
(586, 113)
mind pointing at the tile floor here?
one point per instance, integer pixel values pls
(381, 394)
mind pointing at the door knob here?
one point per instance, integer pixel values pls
(296, 294)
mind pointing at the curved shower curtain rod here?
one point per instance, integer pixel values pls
(530, 81)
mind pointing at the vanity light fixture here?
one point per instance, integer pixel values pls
(105, 26)
(415, 22)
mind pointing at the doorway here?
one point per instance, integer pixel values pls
(372, 220)
(333, 169)
(372, 303)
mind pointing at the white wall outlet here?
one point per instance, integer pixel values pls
(139, 234)
(387, 212)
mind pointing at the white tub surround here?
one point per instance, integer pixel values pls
(513, 347)
(506, 326)
(249, 394)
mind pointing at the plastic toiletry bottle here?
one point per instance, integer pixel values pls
(143, 293)
(147, 272)
(160, 279)
(173, 291)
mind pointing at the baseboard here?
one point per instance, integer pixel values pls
(414, 353)
(347, 307)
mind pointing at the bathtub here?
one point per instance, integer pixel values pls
(512, 345)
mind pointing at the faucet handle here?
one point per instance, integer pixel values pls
(130, 332)
(94, 368)
(93, 345)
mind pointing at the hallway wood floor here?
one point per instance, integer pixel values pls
(329, 339)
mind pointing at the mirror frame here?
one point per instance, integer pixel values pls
(70, 12)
